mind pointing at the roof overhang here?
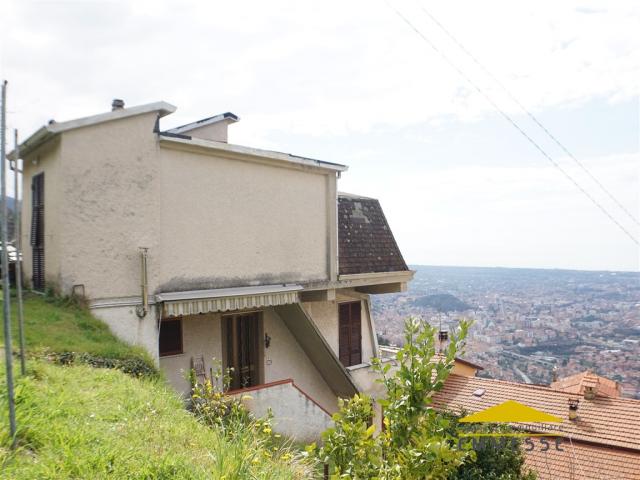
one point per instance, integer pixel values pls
(210, 147)
(374, 282)
(375, 278)
(226, 299)
(286, 303)
(223, 117)
(47, 132)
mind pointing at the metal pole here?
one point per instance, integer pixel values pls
(18, 245)
(5, 271)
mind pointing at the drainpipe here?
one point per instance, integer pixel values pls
(143, 309)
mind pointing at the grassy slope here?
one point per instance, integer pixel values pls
(83, 422)
(60, 327)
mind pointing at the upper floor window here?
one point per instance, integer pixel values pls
(350, 333)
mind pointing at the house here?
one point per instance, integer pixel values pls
(588, 383)
(599, 430)
(198, 249)
(460, 367)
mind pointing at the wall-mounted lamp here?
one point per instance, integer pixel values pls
(267, 340)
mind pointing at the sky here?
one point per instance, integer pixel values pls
(353, 83)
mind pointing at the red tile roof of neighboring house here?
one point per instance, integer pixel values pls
(365, 241)
(607, 421)
(603, 443)
(577, 384)
(581, 461)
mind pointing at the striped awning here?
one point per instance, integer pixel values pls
(226, 299)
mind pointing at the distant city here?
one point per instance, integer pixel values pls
(528, 321)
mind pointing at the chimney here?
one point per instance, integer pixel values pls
(573, 408)
(589, 393)
(443, 338)
(117, 104)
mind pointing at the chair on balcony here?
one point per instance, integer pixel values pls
(199, 370)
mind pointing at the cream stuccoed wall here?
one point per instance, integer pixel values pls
(228, 222)
(201, 337)
(294, 414)
(284, 359)
(325, 316)
(214, 131)
(126, 325)
(208, 221)
(111, 188)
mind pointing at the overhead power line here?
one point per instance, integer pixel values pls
(530, 115)
(507, 117)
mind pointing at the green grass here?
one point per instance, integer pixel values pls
(81, 422)
(60, 326)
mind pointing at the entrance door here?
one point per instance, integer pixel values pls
(243, 349)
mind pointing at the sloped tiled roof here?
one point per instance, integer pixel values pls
(603, 420)
(603, 443)
(365, 241)
(581, 461)
(577, 384)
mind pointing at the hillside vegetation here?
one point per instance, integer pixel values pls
(442, 302)
(76, 421)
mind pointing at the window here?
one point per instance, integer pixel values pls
(170, 337)
(350, 333)
(37, 231)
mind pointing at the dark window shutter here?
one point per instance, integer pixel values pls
(350, 333)
(38, 268)
(37, 231)
(344, 334)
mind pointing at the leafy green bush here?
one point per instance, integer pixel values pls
(350, 445)
(212, 406)
(492, 460)
(416, 442)
(133, 365)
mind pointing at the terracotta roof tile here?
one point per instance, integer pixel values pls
(580, 461)
(577, 383)
(365, 241)
(607, 421)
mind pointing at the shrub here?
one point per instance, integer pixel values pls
(416, 442)
(226, 414)
(212, 406)
(132, 365)
(491, 460)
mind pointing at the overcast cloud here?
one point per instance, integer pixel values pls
(350, 82)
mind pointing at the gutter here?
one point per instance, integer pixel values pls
(182, 142)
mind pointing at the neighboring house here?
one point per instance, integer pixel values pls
(602, 441)
(197, 249)
(588, 382)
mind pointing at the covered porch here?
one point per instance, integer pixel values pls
(278, 355)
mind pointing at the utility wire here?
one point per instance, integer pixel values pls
(530, 115)
(512, 122)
